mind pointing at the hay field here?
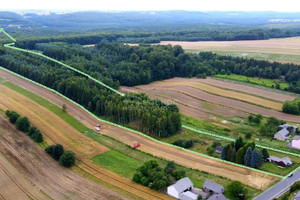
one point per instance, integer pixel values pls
(281, 50)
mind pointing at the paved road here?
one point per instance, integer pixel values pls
(280, 188)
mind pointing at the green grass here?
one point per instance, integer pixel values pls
(254, 80)
(117, 162)
(127, 155)
(273, 168)
(203, 125)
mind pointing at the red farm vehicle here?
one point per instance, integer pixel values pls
(135, 145)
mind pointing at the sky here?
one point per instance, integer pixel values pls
(153, 5)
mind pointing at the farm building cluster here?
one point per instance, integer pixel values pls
(184, 189)
(284, 133)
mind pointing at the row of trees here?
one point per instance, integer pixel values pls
(150, 174)
(244, 153)
(24, 125)
(149, 115)
(57, 152)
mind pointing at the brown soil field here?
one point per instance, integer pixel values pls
(224, 92)
(56, 130)
(187, 95)
(269, 94)
(278, 46)
(246, 176)
(26, 171)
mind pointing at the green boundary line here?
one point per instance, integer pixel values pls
(122, 127)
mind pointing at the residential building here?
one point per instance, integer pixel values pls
(281, 162)
(292, 129)
(188, 196)
(209, 186)
(295, 143)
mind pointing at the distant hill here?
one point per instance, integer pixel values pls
(162, 20)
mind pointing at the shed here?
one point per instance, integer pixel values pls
(182, 185)
(213, 187)
(295, 143)
(219, 149)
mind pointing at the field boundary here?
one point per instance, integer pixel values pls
(9, 45)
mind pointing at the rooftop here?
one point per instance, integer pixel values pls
(182, 184)
(213, 186)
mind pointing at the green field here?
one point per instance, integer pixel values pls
(258, 55)
(253, 80)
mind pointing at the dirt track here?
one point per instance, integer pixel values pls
(36, 174)
(191, 95)
(249, 177)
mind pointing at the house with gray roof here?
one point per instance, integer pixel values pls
(181, 186)
(282, 135)
(209, 186)
(217, 197)
(292, 129)
(281, 162)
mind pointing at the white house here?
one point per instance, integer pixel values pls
(295, 143)
(181, 186)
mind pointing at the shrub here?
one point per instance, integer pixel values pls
(67, 159)
(12, 116)
(236, 189)
(199, 197)
(248, 135)
(291, 108)
(295, 187)
(55, 151)
(23, 124)
(184, 143)
(210, 150)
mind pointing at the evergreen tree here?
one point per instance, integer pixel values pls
(240, 156)
(265, 153)
(247, 157)
(224, 152)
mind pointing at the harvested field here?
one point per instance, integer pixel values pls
(26, 171)
(282, 50)
(188, 97)
(249, 177)
(224, 92)
(56, 130)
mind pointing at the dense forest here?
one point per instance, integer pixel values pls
(213, 34)
(116, 63)
(136, 110)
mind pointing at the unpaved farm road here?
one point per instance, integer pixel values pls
(28, 171)
(249, 177)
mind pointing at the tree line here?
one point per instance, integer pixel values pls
(23, 124)
(136, 110)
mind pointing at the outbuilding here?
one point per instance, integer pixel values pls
(181, 186)
(209, 186)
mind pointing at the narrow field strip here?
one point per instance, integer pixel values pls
(117, 125)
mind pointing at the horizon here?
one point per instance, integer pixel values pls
(154, 5)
